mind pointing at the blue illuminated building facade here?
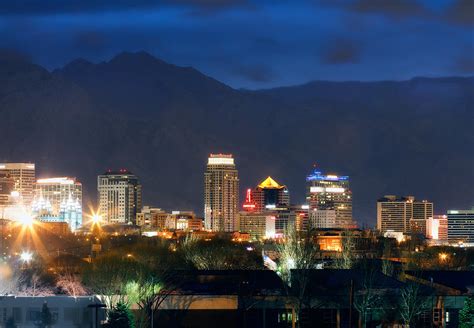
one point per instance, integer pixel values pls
(330, 200)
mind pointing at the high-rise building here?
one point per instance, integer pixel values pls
(403, 214)
(57, 191)
(329, 192)
(269, 194)
(23, 174)
(221, 193)
(7, 186)
(461, 226)
(120, 196)
(422, 211)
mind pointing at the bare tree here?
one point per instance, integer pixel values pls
(108, 276)
(367, 298)
(297, 258)
(70, 284)
(412, 303)
(8, 284)
(219, 254)
(346, 258)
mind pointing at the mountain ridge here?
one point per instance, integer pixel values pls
(161, 122)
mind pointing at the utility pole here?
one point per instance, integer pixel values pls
(351, 300)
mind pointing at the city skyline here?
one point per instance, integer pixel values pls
(269, 183)
(236, 163)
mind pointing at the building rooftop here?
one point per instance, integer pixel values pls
(269, 183)
(59, 180)
(228, 282)
(118, 172)
(463, 281)
(393, 198)
(317, 175)
(220, 159)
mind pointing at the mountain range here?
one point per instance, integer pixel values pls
(161, 121)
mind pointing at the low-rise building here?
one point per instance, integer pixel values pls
(67, 312)
(260, 225)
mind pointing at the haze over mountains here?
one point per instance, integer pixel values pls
(161, 122)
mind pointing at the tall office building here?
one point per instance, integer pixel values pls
(331, 194)
(403, 214)
(221, 193)
(7, 186)
(120, 196)
(269, 194)
(23, 174)
(461, 226)
(57, 191)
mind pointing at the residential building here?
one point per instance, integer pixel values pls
(24, 176)
(329, 192)
(120, 196)
(221, 193)
(403, 214)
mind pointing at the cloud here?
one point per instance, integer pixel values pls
(342, 51)
(255, 73)
(461, 12)
(44, 7)
(392, 8)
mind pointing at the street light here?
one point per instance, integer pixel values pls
(26, 257)
(443, 256)
(96, 218)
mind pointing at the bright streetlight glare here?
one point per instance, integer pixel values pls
(26, 256)
(96, 218)
(26, 220)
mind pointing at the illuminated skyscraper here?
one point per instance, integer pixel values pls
(394, 213)
(403, 214)
(120, 196)
(269, 194)
(24, 177)
(331, 194)
(461, 226)
(221, 193)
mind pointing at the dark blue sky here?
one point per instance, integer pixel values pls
(253, 44)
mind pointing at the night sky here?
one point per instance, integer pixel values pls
(253, 44)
